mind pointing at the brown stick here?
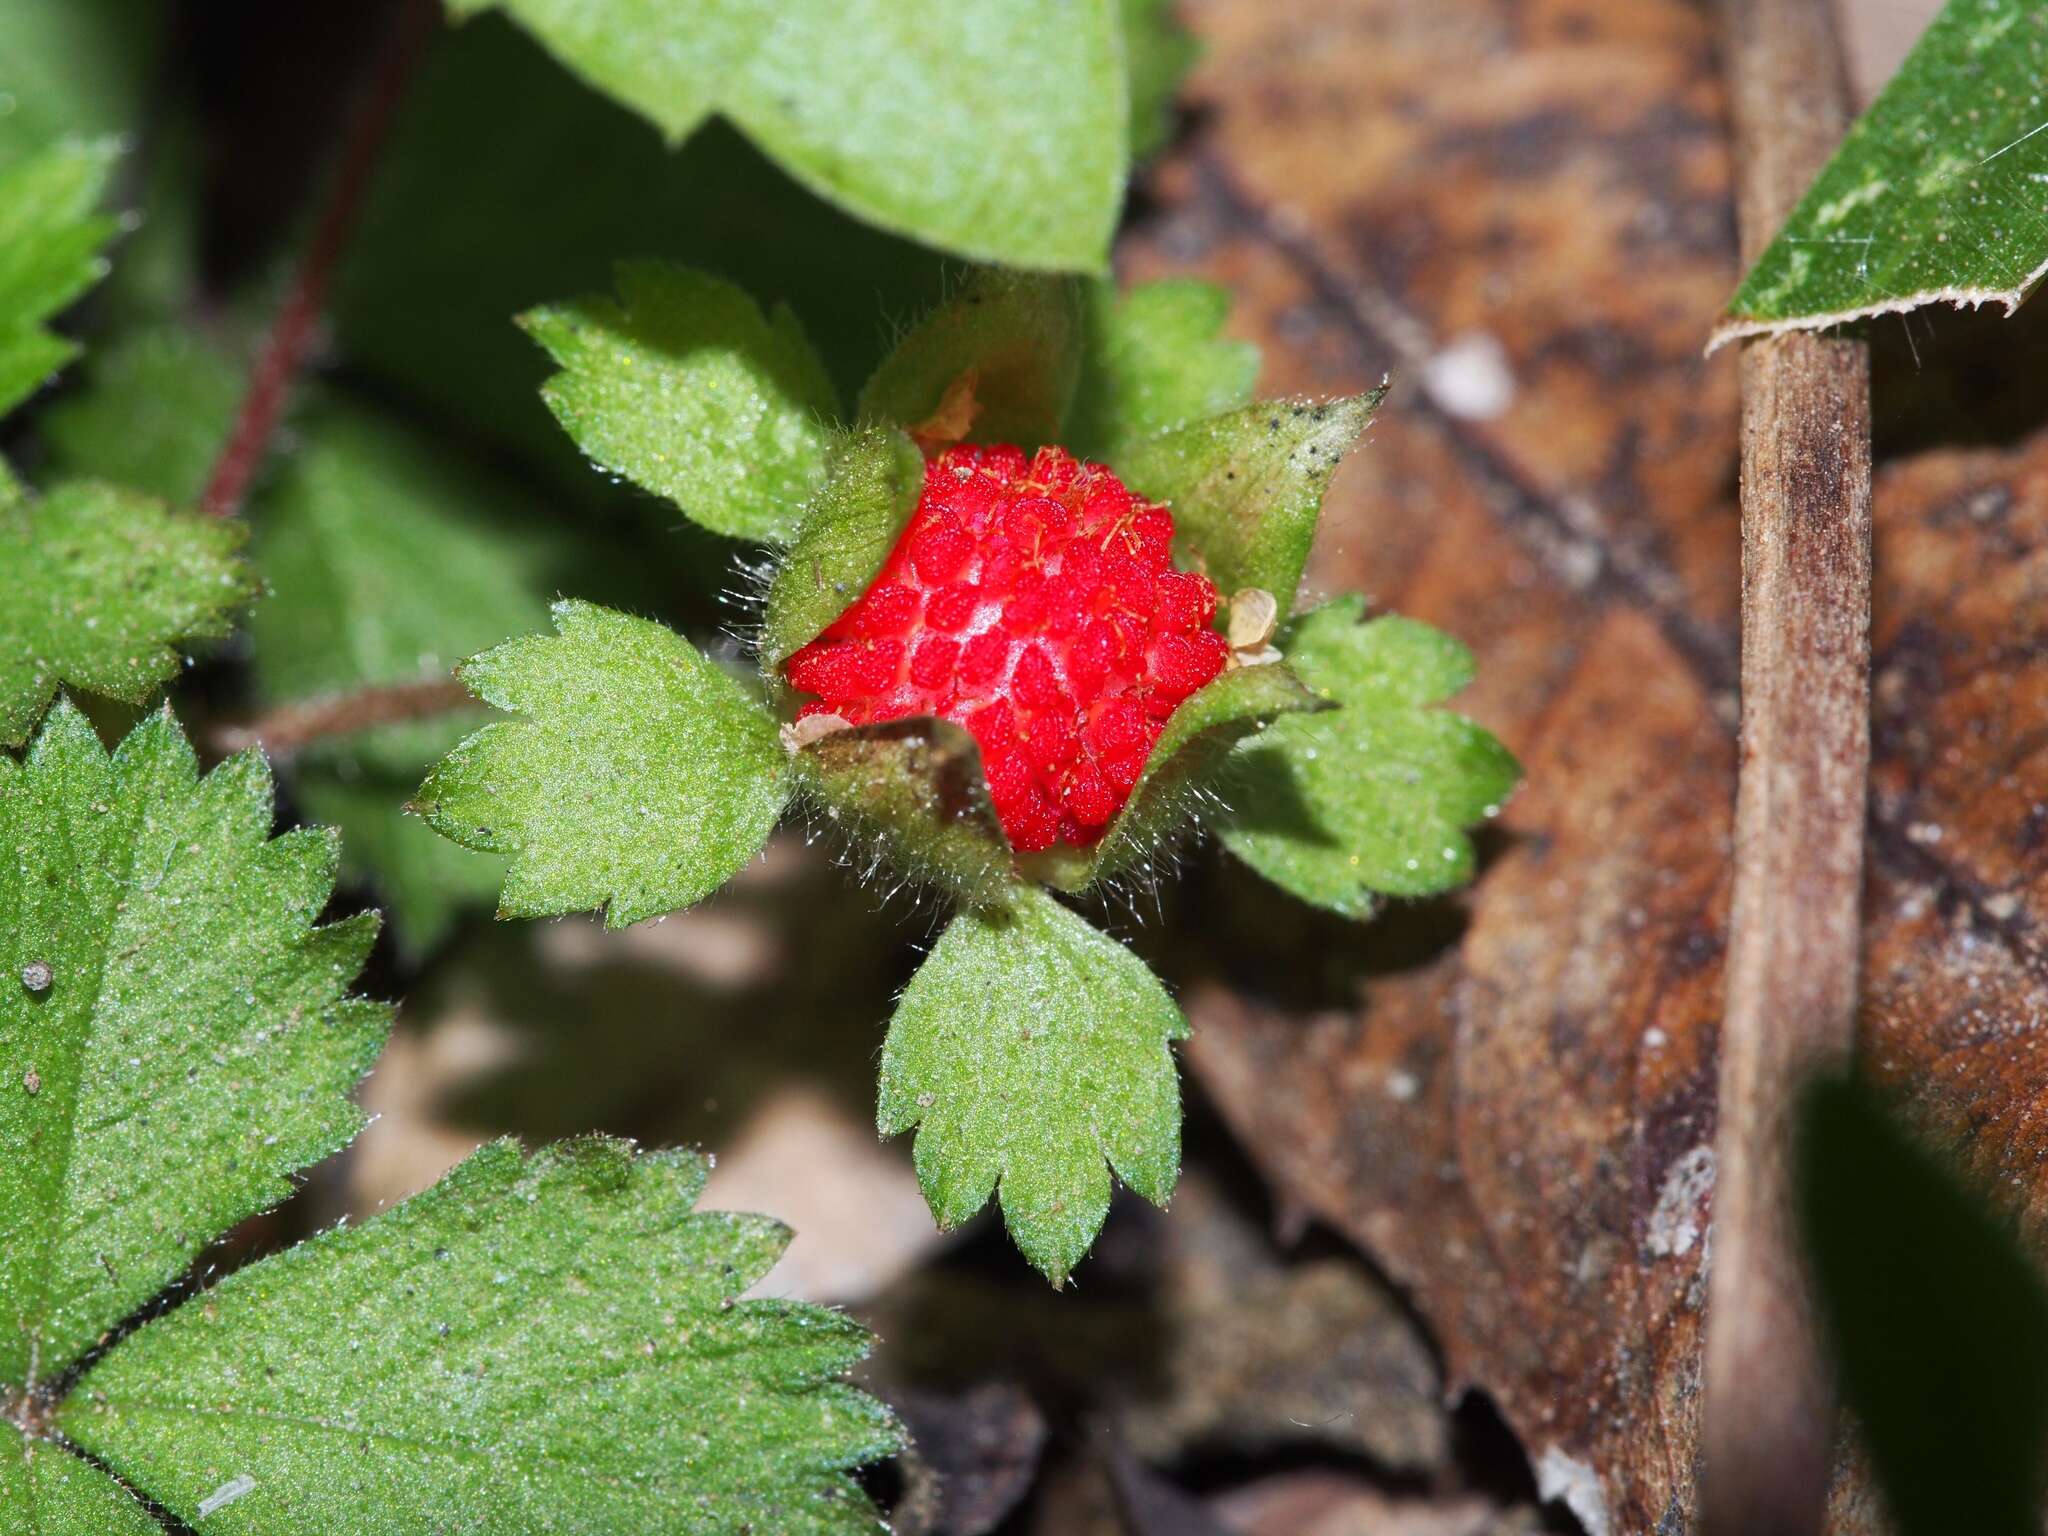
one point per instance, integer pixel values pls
(290, 727)
(1800, 805)
(291, 330)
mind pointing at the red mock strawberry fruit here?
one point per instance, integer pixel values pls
(1032, 601)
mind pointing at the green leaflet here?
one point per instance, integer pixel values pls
(1158, 53)
(985, 131)
(639, 777)
(193, 1048)
(552, 1344)
(1032, 1054)
(1939, 192)
(1019, 338)
(73, 69)
(1155, 360)
(870, 490)
(1375, 795)
(50, 239)
(148, 411)
(1183, 766)
(100, 585)
(684, 386)
(56, 1494)
(1246, 488)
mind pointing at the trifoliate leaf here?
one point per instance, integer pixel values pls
(847, 532)
(685, 387)
(96, 587)
(1183, 767)
(532, 1346)
(175, 1041)
(50, 1492)
(50, 239)
(1010, 341)
(74, 71)
(1246, 488)
(639, 777)
(1155, 359)
(1158, 53)
(1936, 194)
(994, 131)
(1028, 1049)
(1375, 795)
(149, 411)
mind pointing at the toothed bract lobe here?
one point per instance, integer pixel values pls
(1032, 600)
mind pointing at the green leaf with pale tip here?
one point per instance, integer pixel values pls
(1938, 193)
(638, 777)
(554, 1344)
(1158, 53)
(50, 239)
(1154, 360)
(1031, 1053)
(51, 1492)
(194, 1046)
(149, 411)
(1374, 796)
(98, 587)
(1246, 488)
(685, 387)
(1016, 335)
(913, 792)
(848, 530)
(995, 131)
(1186, 765)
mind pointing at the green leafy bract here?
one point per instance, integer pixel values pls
(545, 1345)
(1158, 53)
(847, 532)
(190, 1045)
(1939, 192)
(1155, 360)
(50, 239)
(685, 387)
(1032, 1053)
(1373, 796)
(97, 585)
(994, 131)
(1246, 488)
(74, 69)
(1184, 766)
(639, 777)
(1013, 336)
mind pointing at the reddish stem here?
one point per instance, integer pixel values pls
(291, 331)
(290, 727)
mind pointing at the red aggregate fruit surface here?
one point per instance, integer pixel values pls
(1034, 602)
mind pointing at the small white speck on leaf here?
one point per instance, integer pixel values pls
(37, 975)
(226, 1494)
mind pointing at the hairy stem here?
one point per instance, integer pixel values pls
(292, 727)
(292, 328)
(1800, 804)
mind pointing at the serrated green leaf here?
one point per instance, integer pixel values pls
(193, 1047)
(1374, 796)
(149, 411)
(100, 585)
(684, 386)
(1031, 1052)
(51, 1492)
(870, 490)
(50, 239)
(1018, 336)
(1155, 360)
(639, 777)
(1183, 767)
(915, 789)
(1246, 488)
(1939, 192)
(987, 131)
(1158, 53)
(532, 1346)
